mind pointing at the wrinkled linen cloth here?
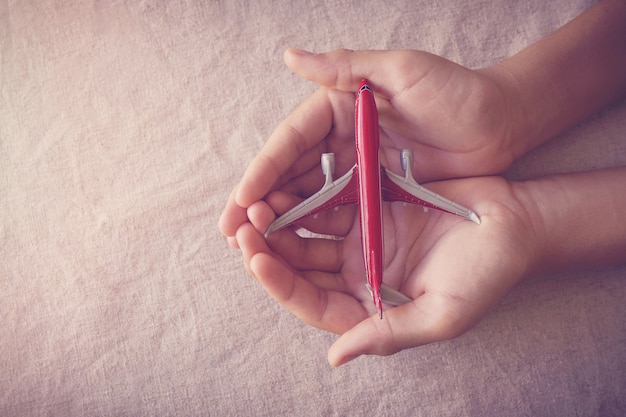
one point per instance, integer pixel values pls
(123, 128)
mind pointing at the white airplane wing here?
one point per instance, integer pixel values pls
(332, 194)
(406, 189)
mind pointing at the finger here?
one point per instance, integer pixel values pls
(308, 253)
(261, 215)
(328, 310)
(315, 256)
(301, 131)
(302, 254)
(232, 217)
(251, 243)
(339, 69)
(232, 241)
(423, 321)
(343, 69)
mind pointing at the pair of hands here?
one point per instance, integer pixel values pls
(459, 123)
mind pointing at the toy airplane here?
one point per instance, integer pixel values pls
(368, 184)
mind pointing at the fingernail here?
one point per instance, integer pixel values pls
(300, 52)
(343, 361)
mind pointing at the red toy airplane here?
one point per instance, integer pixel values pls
(368, 184)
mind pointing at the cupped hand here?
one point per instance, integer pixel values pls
(457, 121)
(454, 270)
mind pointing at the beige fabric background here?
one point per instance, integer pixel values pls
(123, 127)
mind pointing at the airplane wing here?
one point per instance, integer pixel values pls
(406, 189)
(390, 296)
(345, 190)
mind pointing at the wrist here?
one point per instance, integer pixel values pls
(518, 137)
(531, 196)
(528, 226)
(565, 77)
(576, 219)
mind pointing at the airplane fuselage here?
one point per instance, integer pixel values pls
(370, 197)
(367, 184)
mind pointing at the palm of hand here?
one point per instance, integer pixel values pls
(454, 270)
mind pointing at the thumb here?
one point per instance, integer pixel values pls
(403, 327)
(372, 336)
(341, 69)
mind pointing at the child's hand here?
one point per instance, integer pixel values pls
(453, 269)
(457, 121)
